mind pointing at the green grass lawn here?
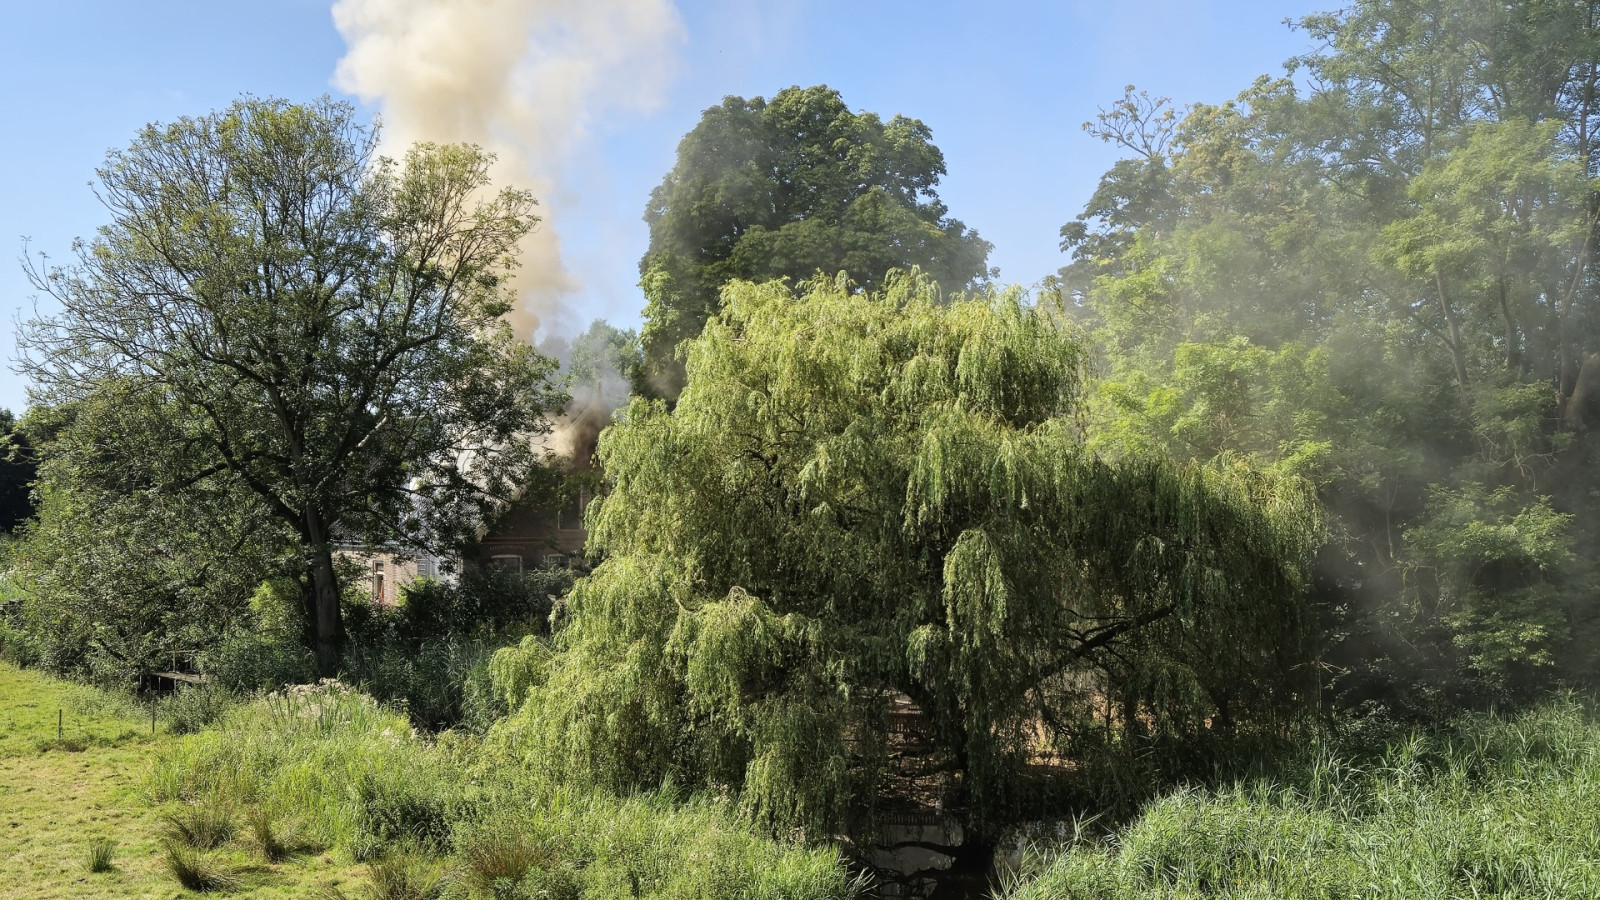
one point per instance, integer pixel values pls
(58, 796)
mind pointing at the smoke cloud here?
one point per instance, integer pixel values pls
(525, 79)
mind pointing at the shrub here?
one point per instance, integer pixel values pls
(430, 654)
(483, 601)
(248, 662)
(432, 681)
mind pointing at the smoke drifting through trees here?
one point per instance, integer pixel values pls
(525, 79)
(596, 362)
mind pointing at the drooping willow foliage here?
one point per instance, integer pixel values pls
(859, 496)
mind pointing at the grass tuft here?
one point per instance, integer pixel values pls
(400, 877)
(403, 877)
(204, 826)
(501, 858)
(277, 841)
(100, 855)
(198, 870)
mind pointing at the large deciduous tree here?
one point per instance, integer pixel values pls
(789, 187)
(858, 496)
(316, 327)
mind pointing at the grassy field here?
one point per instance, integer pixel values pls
(58, 797)
(319, 792)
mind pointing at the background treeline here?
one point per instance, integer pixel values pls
(1377, 271)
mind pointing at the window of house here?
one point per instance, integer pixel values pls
(508, 562)
(570, 517)
(427, 567)
(555, 560)
(377, 581)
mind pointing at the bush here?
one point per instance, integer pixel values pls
(483, 601)
(17, 646)
(431, 653)
(249, 662)
(193, 707)
(439, 682)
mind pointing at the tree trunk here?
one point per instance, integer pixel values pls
(1512, 335)
(328, 619)
(1457, 353)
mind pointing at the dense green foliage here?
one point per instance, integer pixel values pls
(1379, 272)
(431, 652)
(786, 188)
(1488, 807)
(301, 326)
(337, 771)
(17, 469)
(116, 579)
(863, 495)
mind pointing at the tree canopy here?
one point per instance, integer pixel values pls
(787, 188)
(865, 495)
(301, 323)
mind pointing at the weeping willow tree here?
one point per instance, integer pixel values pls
(865, 496)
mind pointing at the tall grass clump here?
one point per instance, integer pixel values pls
(100, 855)
(421, 811)
(326, 755)
(199, 870)
(274, 838)
(565, 841)
(204, 826)
(1488, 807)
(400, 877)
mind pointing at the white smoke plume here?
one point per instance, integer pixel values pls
(525, 79)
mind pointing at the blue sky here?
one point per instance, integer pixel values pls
(1004, 84)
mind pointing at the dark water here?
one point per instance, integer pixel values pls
(925, 856)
